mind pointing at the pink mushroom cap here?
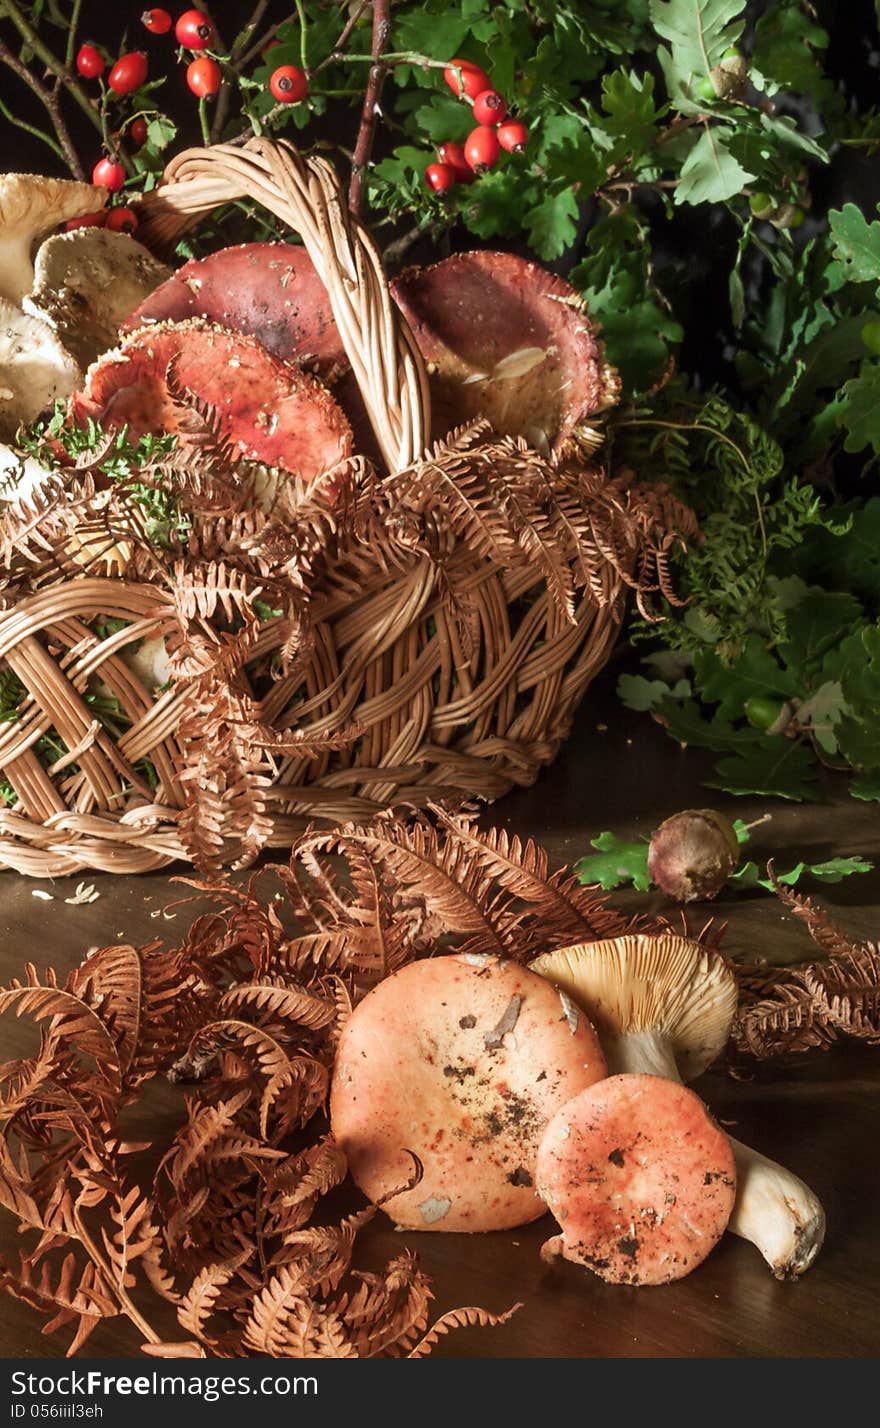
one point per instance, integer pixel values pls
(269, 290)
(460, 1061)
(640, 1177)
(271, 411)
(506, 340)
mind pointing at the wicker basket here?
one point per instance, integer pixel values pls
(435, 719)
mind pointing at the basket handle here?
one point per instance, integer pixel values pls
(306, 194)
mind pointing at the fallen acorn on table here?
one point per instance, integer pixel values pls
(692, 854)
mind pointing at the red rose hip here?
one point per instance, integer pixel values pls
(195, 30)
(87, 220)
(453, 156)
(158, 22)
(473, 79)
(121, 220)
(288, 84)
(440, 177)
(489, 107)
(481, 148)
(128, 73)
(90, 62)
(512, 136)
(204, 77)
(108, 174)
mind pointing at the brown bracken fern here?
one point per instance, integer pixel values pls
(812, 1004)
(232, 1227)
(233, 1218)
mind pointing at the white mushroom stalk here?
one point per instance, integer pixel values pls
(773, 1208)
(663, 1006)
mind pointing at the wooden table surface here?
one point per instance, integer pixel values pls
(816, 1113)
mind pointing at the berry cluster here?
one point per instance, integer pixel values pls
(196, 34)
(494, 131)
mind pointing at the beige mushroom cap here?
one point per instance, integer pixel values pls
(640, 983)
(35, 369)
(87, 283)
(30, 207)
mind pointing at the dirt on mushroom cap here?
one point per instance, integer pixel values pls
(461, 1062)
(270, 410)
(507, 340)
(640, 1177)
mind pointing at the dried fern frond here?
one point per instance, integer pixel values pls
(234, 1229)
(813, 1004)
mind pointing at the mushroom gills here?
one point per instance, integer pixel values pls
(663, 1006)
(30, 207)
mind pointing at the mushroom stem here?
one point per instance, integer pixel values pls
(777, 1212)
(773, 1209)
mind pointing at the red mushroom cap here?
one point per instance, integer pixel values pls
(506, 340)
(271, 411)
(640, 1177)
(270, 290)
(461, 1061)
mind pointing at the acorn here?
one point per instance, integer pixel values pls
(692, 854)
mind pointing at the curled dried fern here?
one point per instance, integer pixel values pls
(811, 1004)
(233, 1229)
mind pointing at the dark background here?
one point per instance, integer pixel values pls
(692, 263)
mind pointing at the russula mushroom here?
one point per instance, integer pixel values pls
(269, 290)
(640, 1178)
(20, 475)
(692, 854)
(664, 1005)
(269, 411)
(506, 340)
(35, 369)
(87, 282)
(461, 1061)
(30, 207)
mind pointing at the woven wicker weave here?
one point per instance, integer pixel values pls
(435, 719)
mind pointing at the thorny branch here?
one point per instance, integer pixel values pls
(378, 70)
(10, 10)
(50, 100)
